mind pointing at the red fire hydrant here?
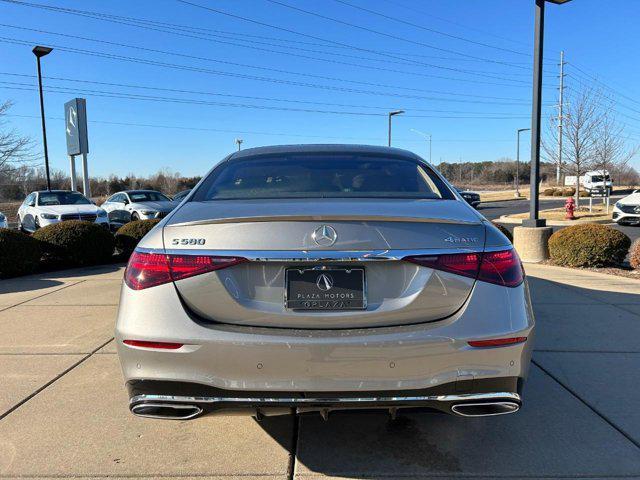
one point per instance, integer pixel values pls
(570, 206)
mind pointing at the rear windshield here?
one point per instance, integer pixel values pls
(62, 198)
(148, 197)
(322, 176)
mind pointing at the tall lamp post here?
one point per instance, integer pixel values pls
(40, 52)
(425, 135)
(391, 114)
(533, 220)
(518, 161)
(239, 142)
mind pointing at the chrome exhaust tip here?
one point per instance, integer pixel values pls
(170, 411)
(487, 409)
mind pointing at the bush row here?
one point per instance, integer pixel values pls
(589, 245)
(67, 244)
(563, 192)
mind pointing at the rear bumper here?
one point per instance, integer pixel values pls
(288, 361)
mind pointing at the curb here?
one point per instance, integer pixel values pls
(584, 271)
(505, 200)
(553, 223)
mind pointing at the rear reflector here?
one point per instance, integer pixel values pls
(502, 268)
(497, 342)
(146, 270)
(157, 345)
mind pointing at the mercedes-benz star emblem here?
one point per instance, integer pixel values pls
(324, 282)
(324, 236)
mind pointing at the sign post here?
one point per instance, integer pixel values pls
(75, 116)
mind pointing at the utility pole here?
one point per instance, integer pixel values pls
(560, 117)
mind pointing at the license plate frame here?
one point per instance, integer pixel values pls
(305, 290)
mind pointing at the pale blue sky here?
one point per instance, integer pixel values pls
(454, 58)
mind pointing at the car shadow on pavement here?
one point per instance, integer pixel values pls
(11, 285)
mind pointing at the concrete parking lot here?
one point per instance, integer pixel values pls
(63, 408)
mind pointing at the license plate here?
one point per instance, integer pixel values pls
(325, 289)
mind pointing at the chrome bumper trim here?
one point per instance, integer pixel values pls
(275, 401)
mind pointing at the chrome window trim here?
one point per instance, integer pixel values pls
(321, 255)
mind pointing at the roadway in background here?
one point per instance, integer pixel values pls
(494, 210)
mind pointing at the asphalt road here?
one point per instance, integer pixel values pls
(493, 211)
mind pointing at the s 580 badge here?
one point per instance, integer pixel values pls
(188, 241)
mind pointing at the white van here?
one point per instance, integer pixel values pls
(592, 181)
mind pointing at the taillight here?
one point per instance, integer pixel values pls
(465, 264)
(146, 270)
(502, 268)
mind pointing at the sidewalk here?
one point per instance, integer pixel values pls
(63, 406)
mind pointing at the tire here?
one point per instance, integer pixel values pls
(135, 216)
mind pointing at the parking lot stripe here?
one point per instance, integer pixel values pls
(62, 374)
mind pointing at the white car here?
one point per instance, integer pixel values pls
(626, 211)
(130, 205)
(3, 221)
(47, 207)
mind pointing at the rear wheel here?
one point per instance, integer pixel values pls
(134, 217)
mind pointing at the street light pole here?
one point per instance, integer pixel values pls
(239, 142)
(533, 220)
(39, 52)
(518, 161)
(391, 114)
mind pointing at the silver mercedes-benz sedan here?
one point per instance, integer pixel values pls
(319, 278)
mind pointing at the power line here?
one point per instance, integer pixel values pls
(259, 78)
(253, 132)
(422, 12)
(149, 98)
(152, 25)
(377, 32)
(284, 29)
(288, 72)
(591, 77)
(251, 97)
(438, 32)
(202, 34)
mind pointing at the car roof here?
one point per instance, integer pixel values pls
(56, 191)
(140, 191)
(322, 148)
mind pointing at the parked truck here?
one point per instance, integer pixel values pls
(592, 181)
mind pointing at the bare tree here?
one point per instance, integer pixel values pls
(611, 153)
(15, 150)
(582, 122)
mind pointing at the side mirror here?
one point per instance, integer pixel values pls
(32, 203)
(125, 201)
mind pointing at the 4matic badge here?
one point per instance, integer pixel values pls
(452, 239)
